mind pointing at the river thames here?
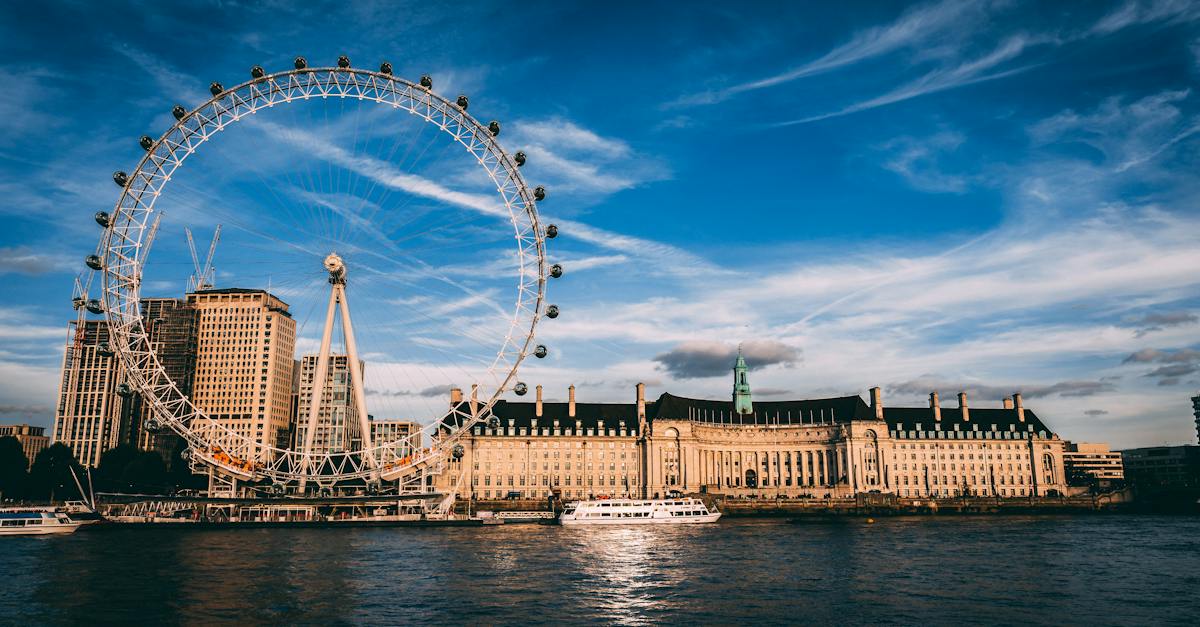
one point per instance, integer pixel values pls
(1097, 569)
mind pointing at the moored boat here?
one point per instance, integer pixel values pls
(35, 523)
(638, 512)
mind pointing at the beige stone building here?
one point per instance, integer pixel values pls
(33, 439)
(245, 346)
(818, 448)
(385, 431)
(1082, 460)
(338, 428)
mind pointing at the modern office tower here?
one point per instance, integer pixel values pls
(91, 416)
(1196, 413)
(32, 439)
(171, 325)
(337, 419)
(245, 346)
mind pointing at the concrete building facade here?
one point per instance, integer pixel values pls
(1085, 462)
(385, 431)
(245, 346)
(338, 427)
(171, 326)
(33, 439)
(90, 415)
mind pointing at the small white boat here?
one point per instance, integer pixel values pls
(35, 523)
(681, 511)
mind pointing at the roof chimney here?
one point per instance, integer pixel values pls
(877, 402)
(641, 401)
(474, 399)
(455, 396)
(538, 406)
(935, 405)
(571, 401)
(1016, 399)
(1008, 403)
(962, 406)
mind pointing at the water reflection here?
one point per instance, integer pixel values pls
(1098, 569)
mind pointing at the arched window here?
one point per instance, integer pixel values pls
(1048, 466)
(751, 479)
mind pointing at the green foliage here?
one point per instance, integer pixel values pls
(14, 467)
(109, 476)
(50, 477)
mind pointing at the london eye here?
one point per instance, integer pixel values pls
(375, 199)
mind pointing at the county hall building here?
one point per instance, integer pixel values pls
(830, 447)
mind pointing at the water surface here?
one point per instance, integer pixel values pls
(1098, 569)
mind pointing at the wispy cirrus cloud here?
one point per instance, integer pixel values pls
(914, 27)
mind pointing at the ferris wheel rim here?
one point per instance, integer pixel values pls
(122, 293)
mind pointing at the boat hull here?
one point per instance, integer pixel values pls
(40, 530)
(680, 520)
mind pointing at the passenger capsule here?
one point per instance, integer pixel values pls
(552, 231)
(458, 451)
(257, 72)
(520, 389)
(95, 307)
(541, 351)
(494, 422)
(178, 111)
(123, 389)
(556, 271)
(300, 63)
(78, 302)
(146, 142)
(494, 128)
(153, 425)
(343, 61)
(426, 81)
(552, 311)
(462, 102)
(103, 219)
(94, 262)
(120, 178)
(105, 350)
(185, 454)
(385, 68)
(539, 193)
(216, 89)
(519, 158)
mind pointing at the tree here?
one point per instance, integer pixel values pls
(110, 472)
(14, 468)
(50, 477)
(146, 473)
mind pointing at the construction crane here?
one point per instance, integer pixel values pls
(205, 276)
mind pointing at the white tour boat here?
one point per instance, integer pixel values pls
(35, 523)
(638, 512)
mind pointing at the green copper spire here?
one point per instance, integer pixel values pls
(741, 387)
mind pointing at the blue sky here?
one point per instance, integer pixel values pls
(985, 196)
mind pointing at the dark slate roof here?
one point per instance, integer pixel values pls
(907, 419)
(813, 411)
(590, 414)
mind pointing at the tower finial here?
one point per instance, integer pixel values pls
(742, 402)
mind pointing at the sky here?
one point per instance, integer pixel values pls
(990, 197)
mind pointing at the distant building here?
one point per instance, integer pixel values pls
(1163, 466)
(1092, 464)
(1196, 414)
(91, 416)
(33, 439)
(171, 326)
(338, 427)
(386, 431)
(245, 354)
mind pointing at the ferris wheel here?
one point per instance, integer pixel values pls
(337, 229)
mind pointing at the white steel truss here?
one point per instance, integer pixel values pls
(124, 245)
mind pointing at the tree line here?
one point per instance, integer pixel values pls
(123, 469)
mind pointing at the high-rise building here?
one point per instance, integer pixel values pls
(33, 439)
(91, 416)
(245, 347)
(171, 326)
(338, 426)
